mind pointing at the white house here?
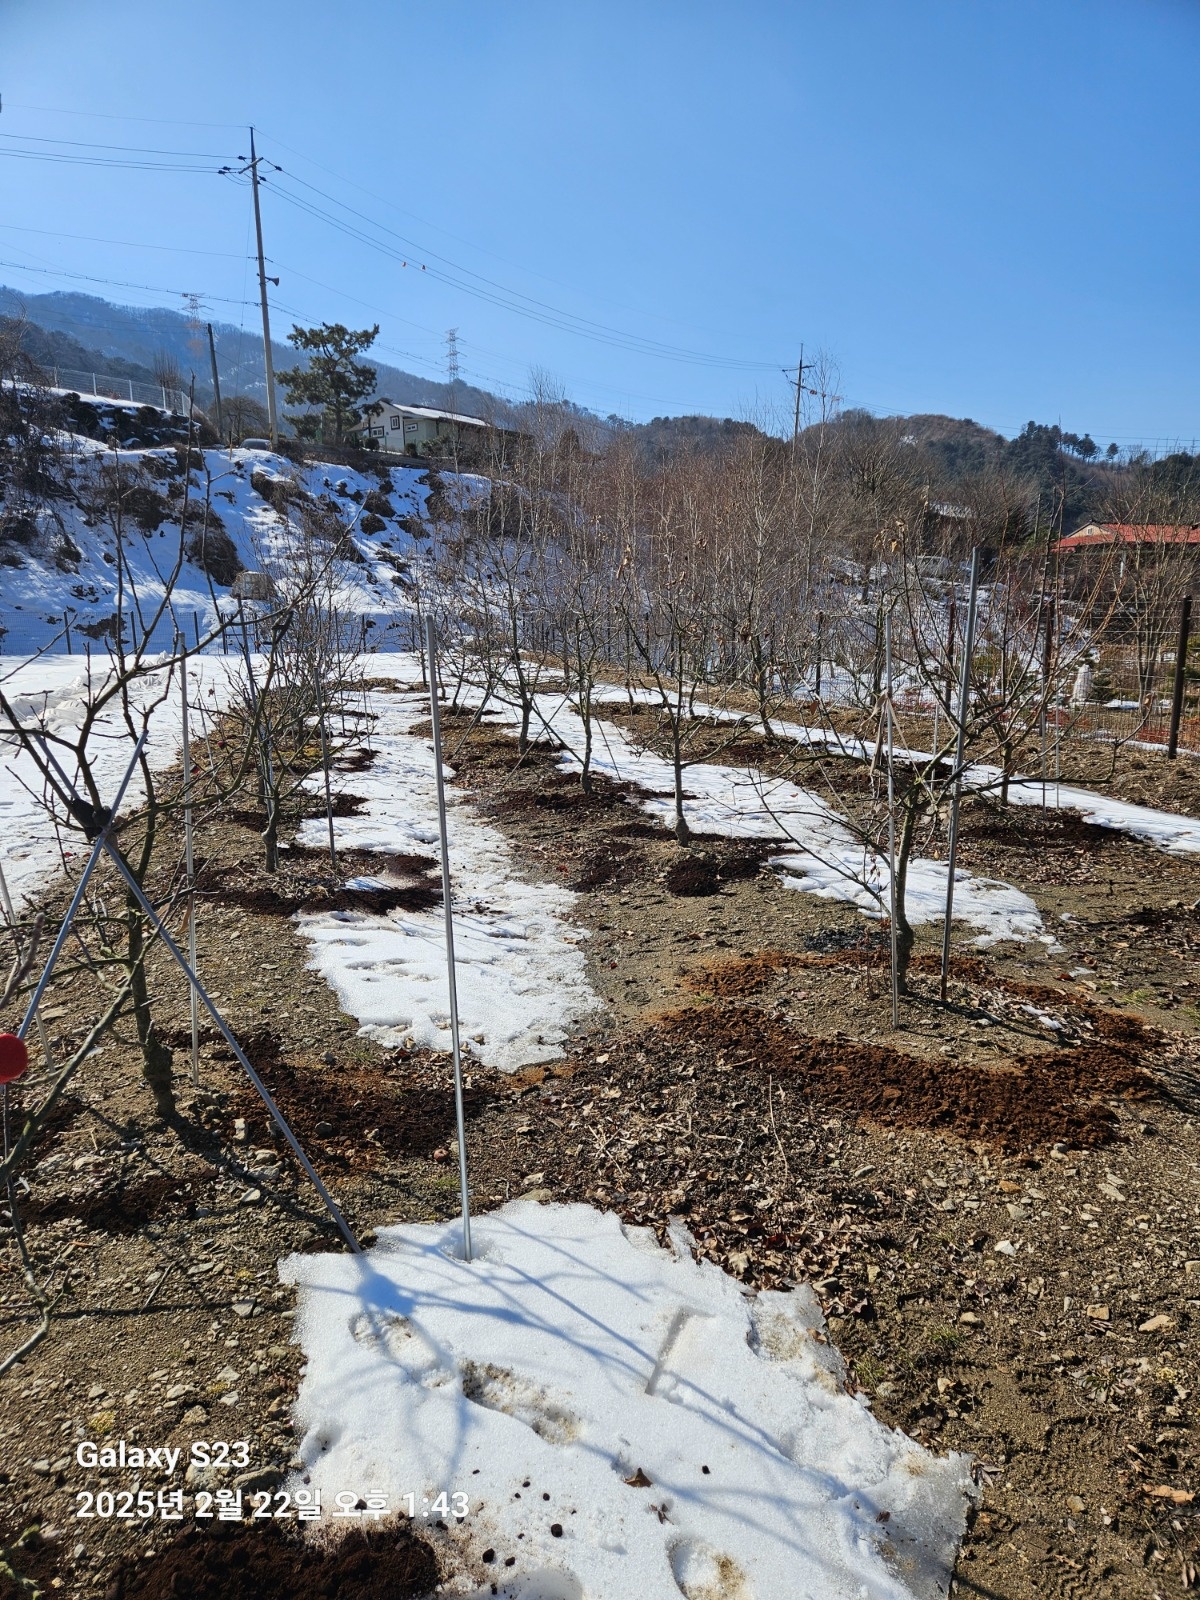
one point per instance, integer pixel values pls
(404, 430)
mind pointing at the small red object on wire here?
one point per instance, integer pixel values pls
(14, 1057)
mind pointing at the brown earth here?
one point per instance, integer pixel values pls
(1001, 1216)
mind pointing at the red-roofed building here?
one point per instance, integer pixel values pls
(1139, 534)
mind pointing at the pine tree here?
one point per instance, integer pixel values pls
(332, 380)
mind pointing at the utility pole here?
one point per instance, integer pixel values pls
(212, 356)
(268, 363)
(799, 382)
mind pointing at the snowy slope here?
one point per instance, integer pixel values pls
(48, 582)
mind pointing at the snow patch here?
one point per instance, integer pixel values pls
(573, 1355)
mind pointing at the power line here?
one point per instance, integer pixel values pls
(458, 238)
(58, 158)
(497, 295)
(112, 283)
(130, 244)
(127, 149)
(116, 116)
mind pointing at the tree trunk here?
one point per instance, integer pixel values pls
(270, 834)
(914, 805)
(682, 832)
(156, 1057)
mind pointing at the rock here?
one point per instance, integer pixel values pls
(1017, 1213)
(1007, 1186)
(260, 1478)
(1192, 1268)
(97, 1391)
(1156, 1324)
(1096, 1313)
(178, 1390)
(969, 1319)
(195, 1415)
(239, 1130)
(244, 1308)
(252, 1197)
(324, 1129)
(230, 1399)
(885, 1390)
(1005, 1247)
(42, 1468)
(1074, 1503)
(542, 1196)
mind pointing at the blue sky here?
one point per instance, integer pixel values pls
(983, 207)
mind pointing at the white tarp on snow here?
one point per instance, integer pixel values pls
(574, 1352)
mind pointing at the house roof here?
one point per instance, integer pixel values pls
(1135, 533)
(430, 413)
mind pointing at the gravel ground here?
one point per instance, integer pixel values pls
(997, 1202)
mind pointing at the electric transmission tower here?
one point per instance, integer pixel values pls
(452, 365)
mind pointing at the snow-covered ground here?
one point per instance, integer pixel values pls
(620, 1419)
(522, 979)
(41, 591)
(51, 692)
(740, 802)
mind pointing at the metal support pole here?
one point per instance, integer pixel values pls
(436, 719)
(325, 769)
(891, 782)
(189, 861)
(98, 845)
(1181, 650)
(104, 843)
(964, 693)
(280, 1120)
(216, 378)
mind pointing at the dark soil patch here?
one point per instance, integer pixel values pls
(613, 865)
(405, 884)
(270, 1561)
(353, 1116)
(836, 941)
(118, 1208)
(1025, 826)
(355, 760)
(704, 872)
(1059, 1097)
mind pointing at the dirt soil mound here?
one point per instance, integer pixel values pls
(701, 872)
(406, 883)
(265, 1562)
(1044, 1098)
(352, 1117)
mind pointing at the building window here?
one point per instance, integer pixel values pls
(395, 421)
(377, 433)
(410, 427)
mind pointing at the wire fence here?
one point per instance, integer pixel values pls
(104, 385)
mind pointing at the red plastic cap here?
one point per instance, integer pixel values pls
(14, 1057)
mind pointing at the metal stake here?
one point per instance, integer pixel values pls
(189, 860)
(891, 781)
(964, 690)
(325, 769)
(280, 1120)
(436, 720)
(80, 888)
(104, 843)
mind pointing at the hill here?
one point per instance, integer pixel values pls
(85, 332)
